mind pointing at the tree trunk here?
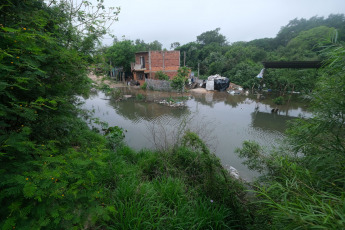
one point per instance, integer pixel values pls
(285, 89)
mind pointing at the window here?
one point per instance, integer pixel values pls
(142, 62)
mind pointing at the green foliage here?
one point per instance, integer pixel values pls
(142, 46)
(182, 98)
(197, 192)
(278, 100)
(116, 93)
(160, 75)
(175, 45)
(295, 26)
(242, 61)
(170, 99)
(183, 71)
(302, 182)
(252, 152)
(144, 86)
(105, 88)
(179, 81)
(50, 177)
(140, 97)
(193, 141)
(122, 53)
(114, 136)
(203, 77)
(212, 36)
(58, 174)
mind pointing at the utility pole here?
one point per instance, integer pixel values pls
(198, 69)
(184, 59)
(150, 62)
(163, 61)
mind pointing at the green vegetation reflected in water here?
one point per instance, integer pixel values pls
(224, 120)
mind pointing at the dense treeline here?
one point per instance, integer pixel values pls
(300, 40)
(211, 53)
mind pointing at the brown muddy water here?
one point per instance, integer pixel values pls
(224, 121)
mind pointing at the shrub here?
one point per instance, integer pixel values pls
(105, 88)
(116, 93)
(144, 86)
(302, 182)
(139, 96)
(279, 100)
(161, 76)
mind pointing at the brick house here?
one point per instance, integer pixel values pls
(149, 62)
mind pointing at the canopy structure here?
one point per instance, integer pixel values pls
(293, 64)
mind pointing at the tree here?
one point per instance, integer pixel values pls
(161, 76)
(46, 172)
(121, 54)
(295, 26)
(155, 45)
(211, 36)
(179, 81)
(306, 45)
(302, 182)
(175, 45)
(297, 40)
(192, 50)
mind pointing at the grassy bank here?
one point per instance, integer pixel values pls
(86, 180)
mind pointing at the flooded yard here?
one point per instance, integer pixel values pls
(224, 121)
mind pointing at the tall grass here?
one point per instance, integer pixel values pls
(179, 189)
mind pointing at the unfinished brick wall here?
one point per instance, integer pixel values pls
(170, 73)
(146, 58)
(166, 61)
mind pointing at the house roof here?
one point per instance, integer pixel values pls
(293, 64)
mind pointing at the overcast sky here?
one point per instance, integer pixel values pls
(182, 21)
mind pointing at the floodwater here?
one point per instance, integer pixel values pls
(224, 121)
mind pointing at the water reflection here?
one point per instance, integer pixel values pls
(225, 119)
(212, 98)
(270, 121)
(138, 111)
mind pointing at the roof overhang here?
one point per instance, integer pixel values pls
(142, 52)
(293, 64)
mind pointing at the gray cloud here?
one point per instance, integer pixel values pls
(240, 20)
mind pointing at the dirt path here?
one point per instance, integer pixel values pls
(98, 80)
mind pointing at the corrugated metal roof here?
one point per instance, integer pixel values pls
(293, 64)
